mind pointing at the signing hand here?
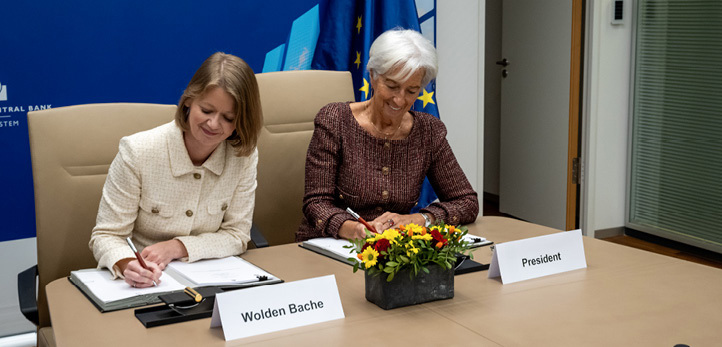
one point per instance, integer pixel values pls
(164, 252)
(136, 276)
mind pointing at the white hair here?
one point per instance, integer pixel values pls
(406, 50)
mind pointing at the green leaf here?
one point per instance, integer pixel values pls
(388, 269)
(404, 259)
(391, 277)
(392, 264)
(425, 269)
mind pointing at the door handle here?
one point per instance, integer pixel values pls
(504, 62)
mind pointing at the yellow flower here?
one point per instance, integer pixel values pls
(425, 237)
(374, 238)
(414, 229)
(411, 249)
(369, 257)
(391, 235)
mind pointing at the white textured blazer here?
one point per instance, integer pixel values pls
(154, 193)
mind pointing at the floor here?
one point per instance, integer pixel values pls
(643, 241)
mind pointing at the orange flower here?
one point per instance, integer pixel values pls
(360, 256)
(439, 244)
(423, 231)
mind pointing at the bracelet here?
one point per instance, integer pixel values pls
(426, 218)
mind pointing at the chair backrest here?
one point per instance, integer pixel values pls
(71, 149)
(290, 101)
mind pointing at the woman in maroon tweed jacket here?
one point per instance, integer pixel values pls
(372, 156)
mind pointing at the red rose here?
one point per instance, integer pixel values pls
(382, 245)
(440, 240)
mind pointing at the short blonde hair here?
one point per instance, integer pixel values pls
(406, 50)
(235, 77)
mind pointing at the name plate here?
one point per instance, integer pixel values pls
(538, 256)
(264, 309)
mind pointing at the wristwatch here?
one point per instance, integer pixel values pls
(426, 218)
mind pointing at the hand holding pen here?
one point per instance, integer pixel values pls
(361, 220)
(143, 273)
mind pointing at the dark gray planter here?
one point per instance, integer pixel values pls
(438, 284)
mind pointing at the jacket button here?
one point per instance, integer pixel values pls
(197, 176)
(385, 194)
(379, 209)
(319, 222)
(385, 170)
(189, 213)
(387, 144)
(154, 210)
(224, 207)
(340, 196)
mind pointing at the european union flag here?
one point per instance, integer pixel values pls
(347, 29)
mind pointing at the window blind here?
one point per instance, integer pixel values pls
(675, 181)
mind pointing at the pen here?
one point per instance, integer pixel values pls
(137, 255)
(361, 220)
(193, 294)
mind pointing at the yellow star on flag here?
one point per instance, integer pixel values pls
(365, 89)
(427, 98)
(358, 25)
(358, 60)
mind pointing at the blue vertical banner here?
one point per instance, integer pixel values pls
(347, 29)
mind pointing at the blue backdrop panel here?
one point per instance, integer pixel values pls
(59, 53)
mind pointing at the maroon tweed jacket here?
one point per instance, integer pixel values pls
(348, 167)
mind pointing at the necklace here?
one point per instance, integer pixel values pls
(386, 136)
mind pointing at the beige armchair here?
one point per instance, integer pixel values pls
(290, 100)
(71, 149)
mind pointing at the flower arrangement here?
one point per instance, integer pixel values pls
(409, 246)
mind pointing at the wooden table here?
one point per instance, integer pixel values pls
(624, 297)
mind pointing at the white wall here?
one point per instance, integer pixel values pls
(459, 85)
(606, 117)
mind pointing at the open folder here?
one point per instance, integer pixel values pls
(110, 295)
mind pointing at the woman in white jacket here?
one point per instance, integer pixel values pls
(185, 190)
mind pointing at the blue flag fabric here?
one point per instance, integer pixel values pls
(347, 29)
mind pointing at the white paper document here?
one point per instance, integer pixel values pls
(101, 283)
(215, 272)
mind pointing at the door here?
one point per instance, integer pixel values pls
(535, 139)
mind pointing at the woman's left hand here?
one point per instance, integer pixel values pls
(164, 252)
(391, 220)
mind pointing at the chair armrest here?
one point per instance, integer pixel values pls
(257, 238)
(27, 294)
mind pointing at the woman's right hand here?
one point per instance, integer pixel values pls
(136, 276)
(354, 230)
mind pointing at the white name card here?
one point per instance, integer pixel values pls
(264, 309)
(538, 256)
